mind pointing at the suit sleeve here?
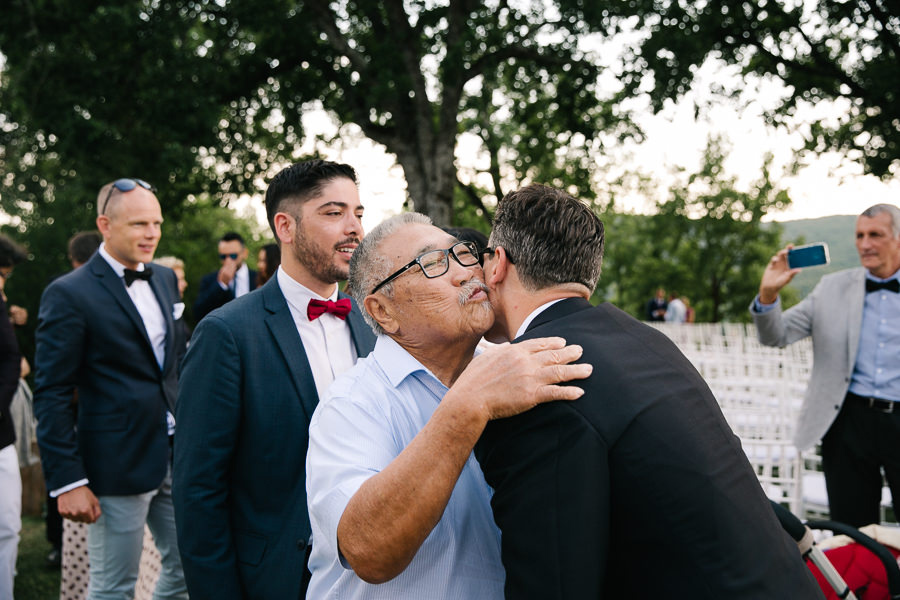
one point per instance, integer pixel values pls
(210, 296)
(208, 415)
(59, 352)
(777, 328)
(550, 474)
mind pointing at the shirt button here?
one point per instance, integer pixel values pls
(301, 544)
(878, 371)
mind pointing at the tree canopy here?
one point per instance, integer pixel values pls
(845, 52)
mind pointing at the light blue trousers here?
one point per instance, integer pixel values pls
(116, 539)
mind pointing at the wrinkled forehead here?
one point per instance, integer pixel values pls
(881, 222)
(413, 240)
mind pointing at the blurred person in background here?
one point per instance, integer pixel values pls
(233, 279)
(11, 254)
(267, 262)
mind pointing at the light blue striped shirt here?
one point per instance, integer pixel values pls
(373, 411)
(877, 369)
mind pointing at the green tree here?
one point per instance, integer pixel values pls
(706, 241)
(841, 51)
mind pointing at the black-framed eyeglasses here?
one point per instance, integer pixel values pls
(125, 184)
(232, 256)
(491, 251)
(435, 263)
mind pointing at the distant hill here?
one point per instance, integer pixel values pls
(836, 231)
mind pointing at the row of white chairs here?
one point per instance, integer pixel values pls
(760, 390)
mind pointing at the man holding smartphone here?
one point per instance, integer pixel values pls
(853, 398)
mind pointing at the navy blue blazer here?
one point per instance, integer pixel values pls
(245, 400)
(643, 465)
(90, 337)
(211, 296)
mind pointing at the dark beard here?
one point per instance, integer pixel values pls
(318, 261)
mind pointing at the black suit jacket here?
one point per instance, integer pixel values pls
(211, 296)
(639, 489)
(90, 337)
(246, 397)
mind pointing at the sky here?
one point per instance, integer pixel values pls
(828, 186)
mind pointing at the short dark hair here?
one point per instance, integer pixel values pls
(233, 236)
(551, 237)
(11, 253)
(301, 182)
(83, 244)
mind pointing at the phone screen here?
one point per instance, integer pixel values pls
(808, 256)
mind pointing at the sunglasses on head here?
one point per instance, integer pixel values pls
(125, 185)
(232, 256)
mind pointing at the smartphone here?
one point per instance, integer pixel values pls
(810, 255)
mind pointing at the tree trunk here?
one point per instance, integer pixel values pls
(430, 178)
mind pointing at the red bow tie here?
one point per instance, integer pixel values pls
(340, 309)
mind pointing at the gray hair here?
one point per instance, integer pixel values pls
(551, 237)
(888, 209)
(368, 266)
(170, 261)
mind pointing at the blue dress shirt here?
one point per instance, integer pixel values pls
(373, 411)
(876, 372)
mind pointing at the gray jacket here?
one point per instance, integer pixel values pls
(832, 315)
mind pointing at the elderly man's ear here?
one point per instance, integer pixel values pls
(381, 311)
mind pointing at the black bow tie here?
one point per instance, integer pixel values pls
(131, 275)
(891, 285)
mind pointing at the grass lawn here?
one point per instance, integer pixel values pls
(35, 580)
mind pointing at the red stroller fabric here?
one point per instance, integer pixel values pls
(863, 572)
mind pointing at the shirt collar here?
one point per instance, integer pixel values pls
(297, 294)
(397, 363)
(118, 267)
(524, 326)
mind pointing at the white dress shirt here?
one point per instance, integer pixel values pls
(327, 340)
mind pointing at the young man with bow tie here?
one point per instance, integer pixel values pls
(111, 331)
(853, 398)
(254, 373)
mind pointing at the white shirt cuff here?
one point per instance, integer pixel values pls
(68, 488)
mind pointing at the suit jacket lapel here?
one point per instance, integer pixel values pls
(165, 305)
(284, 330)
(856, 298)
(109, 280)
(362, 334)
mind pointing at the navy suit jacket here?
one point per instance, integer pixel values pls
(245, 400)
(638, 489)
(211, 296)
(90, 337)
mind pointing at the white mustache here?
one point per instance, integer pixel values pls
(466, 289)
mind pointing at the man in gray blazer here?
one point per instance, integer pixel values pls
(254, 372)
(853, 394)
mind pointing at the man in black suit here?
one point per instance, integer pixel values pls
(233, 279)
(110, 330)
(250, 382)
(639, 489)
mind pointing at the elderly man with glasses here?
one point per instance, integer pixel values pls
(398, 505)
(111, 330)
